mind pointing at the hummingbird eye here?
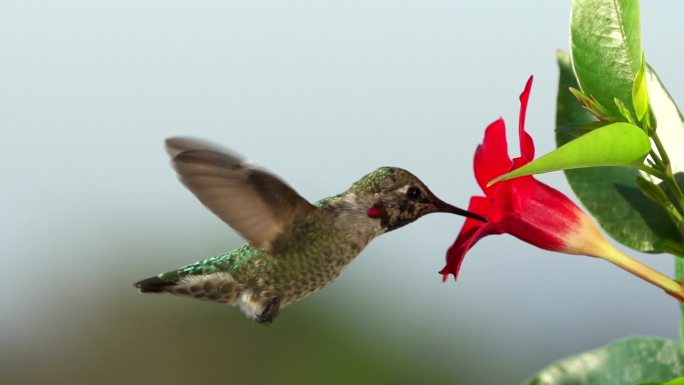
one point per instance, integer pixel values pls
(413, 193)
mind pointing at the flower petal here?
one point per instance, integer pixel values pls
(471, 232)
(526, 142)
(491, 157)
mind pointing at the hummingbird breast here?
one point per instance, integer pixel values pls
(313, 253)
(316, 254)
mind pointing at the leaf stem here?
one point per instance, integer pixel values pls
(656, 159)
(653, 171)
(661, 148)
(667, 177)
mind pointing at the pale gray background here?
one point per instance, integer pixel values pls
(320, 93)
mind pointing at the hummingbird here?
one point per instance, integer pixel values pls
(294, 248)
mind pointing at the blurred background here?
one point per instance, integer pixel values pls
(320, 93)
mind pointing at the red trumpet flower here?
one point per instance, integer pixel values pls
(533, 211)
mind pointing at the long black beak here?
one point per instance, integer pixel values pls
(447, 208)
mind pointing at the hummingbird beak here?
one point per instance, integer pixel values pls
(444, 207)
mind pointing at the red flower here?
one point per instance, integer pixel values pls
(532, 211)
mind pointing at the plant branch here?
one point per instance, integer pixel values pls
(653, 171)
(656, 160)
(661, 148)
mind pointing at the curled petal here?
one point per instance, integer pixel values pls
(526, 142)
(472, 231)
(491, 157)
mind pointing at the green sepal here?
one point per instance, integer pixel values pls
(625, 112)
(594, 106)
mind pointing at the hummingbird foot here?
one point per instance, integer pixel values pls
(270, 311)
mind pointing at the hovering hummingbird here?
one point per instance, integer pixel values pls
(295, 247)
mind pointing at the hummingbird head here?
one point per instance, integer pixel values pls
(396, 197)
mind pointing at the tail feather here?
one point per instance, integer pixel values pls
(154, 285)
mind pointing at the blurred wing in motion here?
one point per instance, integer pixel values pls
(254, 202)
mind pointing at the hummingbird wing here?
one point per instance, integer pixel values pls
(256, 203)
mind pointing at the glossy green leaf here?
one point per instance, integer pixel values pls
(626, 362)
(611, 194)
(617, 144)
(605, 39)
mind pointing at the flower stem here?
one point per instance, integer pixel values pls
(617, 257)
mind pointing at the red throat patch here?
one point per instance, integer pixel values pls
(376, 211)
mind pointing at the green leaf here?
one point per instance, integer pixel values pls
(640, 91)
(654, 192)
(626, 362)
(611, 194)
(624, 111)
(676, 381)
(617, 144)
(605, 39)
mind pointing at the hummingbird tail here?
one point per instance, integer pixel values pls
(154, 285)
